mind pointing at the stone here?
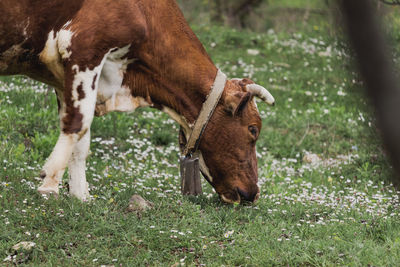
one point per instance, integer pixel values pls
(24, 245)
(311, 158)
(139, 204)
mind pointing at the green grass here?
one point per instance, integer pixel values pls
(340, 210)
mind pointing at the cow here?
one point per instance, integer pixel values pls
(108, 55)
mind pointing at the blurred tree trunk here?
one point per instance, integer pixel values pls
(234, 13)
(217, 12)
(375, 60)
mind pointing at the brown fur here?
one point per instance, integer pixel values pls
(94, 82)
(81, 93)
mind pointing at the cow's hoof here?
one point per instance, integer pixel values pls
(84, 198)
(81, 193)
(46, 191)
(42, 174)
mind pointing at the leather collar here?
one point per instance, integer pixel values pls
(206, 112)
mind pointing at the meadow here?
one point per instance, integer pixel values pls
(326, 192)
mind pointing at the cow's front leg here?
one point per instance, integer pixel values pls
(76, 115)
(78, 187)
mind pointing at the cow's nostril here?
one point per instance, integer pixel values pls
(247, 196)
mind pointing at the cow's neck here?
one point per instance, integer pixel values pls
(173, 70)
(183, 90)
(179, 93)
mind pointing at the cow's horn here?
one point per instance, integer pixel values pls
(261, 92)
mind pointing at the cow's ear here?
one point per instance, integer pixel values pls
(235, 104)
(242, 82)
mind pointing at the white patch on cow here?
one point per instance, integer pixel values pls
(124, 101)
(64, 43)
(117, 54)
(56, 49)
(50, 56)
(112, 73)
(84, 80)
(112, 96)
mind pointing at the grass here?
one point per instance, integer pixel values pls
(339, 209)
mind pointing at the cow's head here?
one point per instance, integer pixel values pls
(228, 146)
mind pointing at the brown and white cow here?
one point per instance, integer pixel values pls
(118, 55)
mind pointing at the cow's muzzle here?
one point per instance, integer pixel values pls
(251, 196)
(239, 196)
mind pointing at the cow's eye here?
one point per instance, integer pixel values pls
(253, 130)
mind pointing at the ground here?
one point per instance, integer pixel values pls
(326, 194)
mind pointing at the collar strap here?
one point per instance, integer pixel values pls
(206, 112)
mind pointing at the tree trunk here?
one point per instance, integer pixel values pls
(374, 58)
(234, 13)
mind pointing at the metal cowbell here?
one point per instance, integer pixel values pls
(190, 176)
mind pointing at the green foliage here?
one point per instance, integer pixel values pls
(162, 138)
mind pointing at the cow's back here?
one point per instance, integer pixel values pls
(24, 28)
